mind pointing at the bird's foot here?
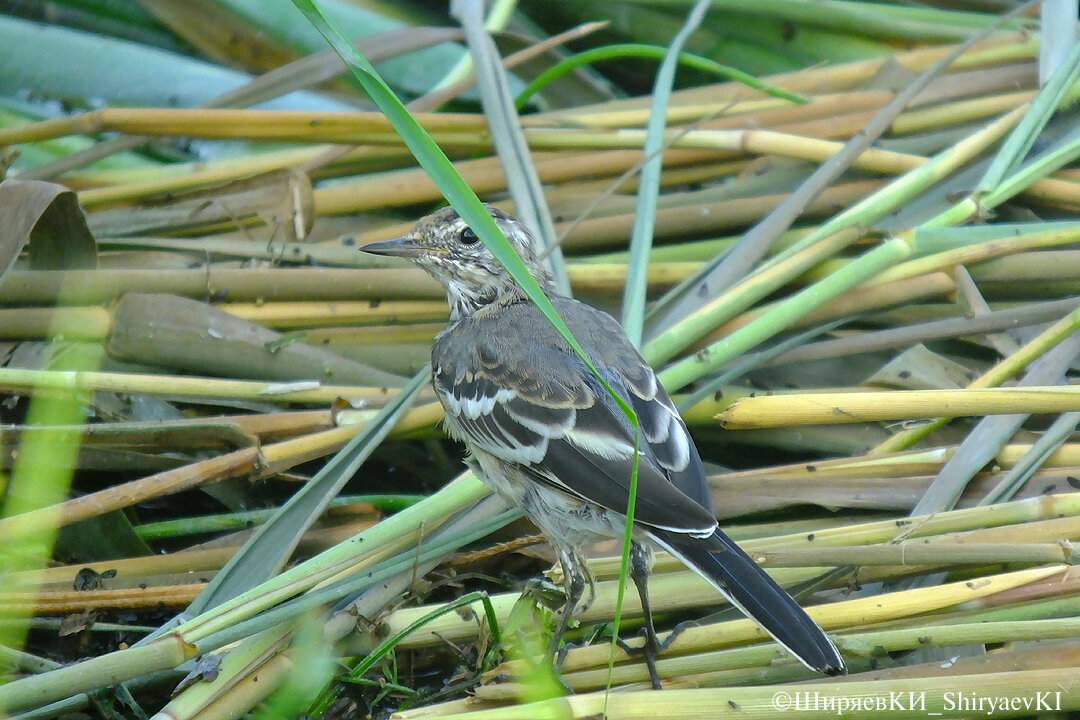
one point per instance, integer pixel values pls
(652, 647)
(675, 633)
(648, 650)
(661, 645)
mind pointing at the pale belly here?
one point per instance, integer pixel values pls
(565, 520)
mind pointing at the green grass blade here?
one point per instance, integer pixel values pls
(622, 51)
(1023, 136)
(521, 177)
(450, 183)
(784, 314)
(269, 548)
(633, 306)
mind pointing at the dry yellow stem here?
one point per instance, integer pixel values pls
(768, 411)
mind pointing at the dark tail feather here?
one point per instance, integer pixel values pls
(720, 561)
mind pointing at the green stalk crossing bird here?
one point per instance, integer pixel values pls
(545, 434)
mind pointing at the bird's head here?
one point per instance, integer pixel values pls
(447, 248)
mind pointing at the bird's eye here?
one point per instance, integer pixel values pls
(467, 237)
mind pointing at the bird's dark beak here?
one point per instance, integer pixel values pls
(404, 247)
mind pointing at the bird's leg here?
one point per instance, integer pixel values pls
(641, 559)
(590, 584)
(575, 577)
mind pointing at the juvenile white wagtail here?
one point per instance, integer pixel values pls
(543, 432)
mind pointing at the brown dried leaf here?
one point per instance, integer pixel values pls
(77, 622)
(46, 219)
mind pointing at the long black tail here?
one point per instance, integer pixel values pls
(731, 571)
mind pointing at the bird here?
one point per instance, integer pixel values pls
(543, 432)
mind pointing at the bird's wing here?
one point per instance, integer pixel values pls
(535, 404)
